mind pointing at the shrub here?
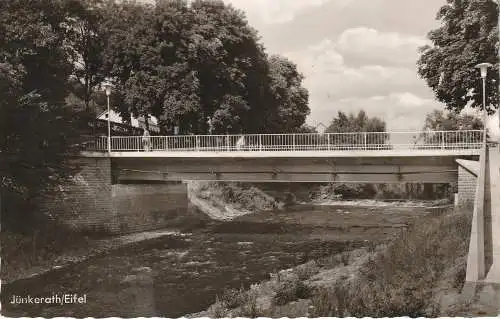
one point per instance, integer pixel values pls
(249, 307)
(232, 298)
(291, 289)
(218, 309)
(328, 302)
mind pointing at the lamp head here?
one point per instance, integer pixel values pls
(483, 67)
(108, 87)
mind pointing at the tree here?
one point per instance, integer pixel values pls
(289, 97)
(468, 35)
(37, 130)
(351, 123)
(86, 37)
(439, 120)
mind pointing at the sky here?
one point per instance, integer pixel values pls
(354, 54)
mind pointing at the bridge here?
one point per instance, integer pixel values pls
(362, 157)
(370, 157)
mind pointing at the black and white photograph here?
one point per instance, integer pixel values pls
(250, 158)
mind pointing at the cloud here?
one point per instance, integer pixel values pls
(402, 111)
(275, 11)
(391, 91)
(369, 46)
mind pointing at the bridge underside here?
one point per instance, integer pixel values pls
(421, 169)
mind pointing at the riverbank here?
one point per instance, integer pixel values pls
(25, 266)
(419, 273)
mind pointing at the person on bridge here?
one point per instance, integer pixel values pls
(240, 143)
(146, 141)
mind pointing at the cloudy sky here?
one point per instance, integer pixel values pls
(355, 54)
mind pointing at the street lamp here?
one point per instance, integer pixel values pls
(107, 87)
(483, 67)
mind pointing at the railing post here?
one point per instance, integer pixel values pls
(442, 140)
(293, 142)
(328, 140)
(260, 142)
(197, 143)
(227, 142)
(366, 144)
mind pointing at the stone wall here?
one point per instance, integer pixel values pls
(84, 202)
(91, 202)
(466, 187)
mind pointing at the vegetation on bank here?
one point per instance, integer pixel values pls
(227, 200)
(419, 273)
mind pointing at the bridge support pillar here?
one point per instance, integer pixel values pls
(93, 201)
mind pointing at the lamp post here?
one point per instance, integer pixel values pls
(107, 87)
(483, 68)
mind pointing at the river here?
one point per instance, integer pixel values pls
(191, 269)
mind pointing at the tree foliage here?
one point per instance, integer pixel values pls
(351, 123)
(290, 98)
(439, 120)
(86, 39)
(191, 64)
(37, 130)
(346, 123)
(468, 35)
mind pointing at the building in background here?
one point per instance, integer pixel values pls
(135, 122)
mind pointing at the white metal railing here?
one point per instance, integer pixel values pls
(428, 140)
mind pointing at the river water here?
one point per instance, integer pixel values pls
(191, 269)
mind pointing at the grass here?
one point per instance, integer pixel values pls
(236, 303)
(407, 278)
(424, 264)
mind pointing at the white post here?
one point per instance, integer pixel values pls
(485, 114)
(109, 126)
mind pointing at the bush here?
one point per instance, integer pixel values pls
(232, 298)
(249, 307)
(218, 309)
(291, 289)
(328, 302)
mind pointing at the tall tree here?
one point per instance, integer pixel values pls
(37, 130)
(199, 63)
(231, 67)
(86, 37)
(290, 98)
(468, 35)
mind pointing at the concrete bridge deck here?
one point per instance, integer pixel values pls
(286, 154)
